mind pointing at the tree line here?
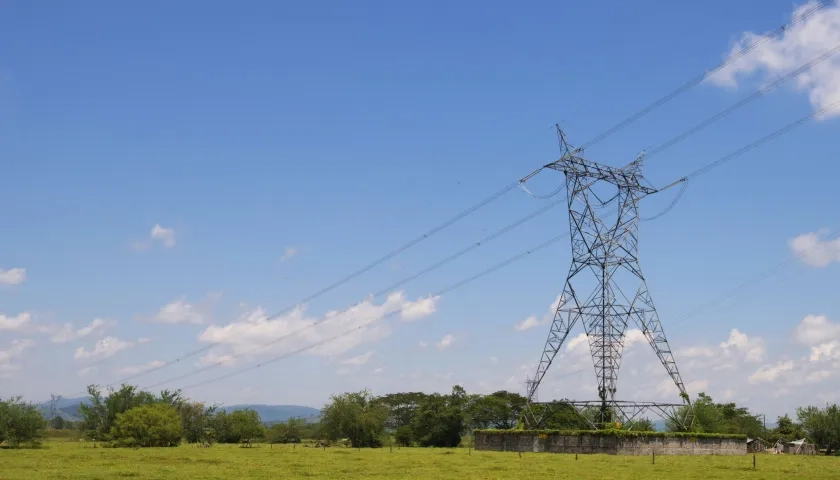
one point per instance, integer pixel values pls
(129, 417)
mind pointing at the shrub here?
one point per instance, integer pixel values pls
(153, 425)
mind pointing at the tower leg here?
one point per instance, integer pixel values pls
(566, 315)
(646, 318)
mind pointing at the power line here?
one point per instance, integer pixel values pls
(691, 83)
(389, 288)
(705, 169)
(448, 289)
(627, 121)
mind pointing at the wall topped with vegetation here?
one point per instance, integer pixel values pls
(615, 442)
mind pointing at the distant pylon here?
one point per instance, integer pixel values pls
(604, 218)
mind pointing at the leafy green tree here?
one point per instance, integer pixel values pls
(222, 428)
(196, 421)
(642, 425)
(149, 425)
(561, 415)
(99, 416)
(402, 408)
(357, 416)
(787, 429)
(822, 425)
(246, 425)
(21, 423)
(58, 423)
(439, 421)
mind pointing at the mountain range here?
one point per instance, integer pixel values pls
(68, 409)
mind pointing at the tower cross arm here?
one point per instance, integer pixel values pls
(627, 177)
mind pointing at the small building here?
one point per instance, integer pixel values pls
(799, 447)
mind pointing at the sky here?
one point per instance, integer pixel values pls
(178, 177)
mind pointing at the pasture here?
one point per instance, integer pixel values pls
(67, 459)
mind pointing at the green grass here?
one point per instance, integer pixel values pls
(61, 459)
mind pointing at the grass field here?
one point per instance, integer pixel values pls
(61, 459)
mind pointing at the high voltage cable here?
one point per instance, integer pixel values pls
(538, 212)
(707, 74)
(515, 258)
(661, 101)
(448, 289)
(435, 266)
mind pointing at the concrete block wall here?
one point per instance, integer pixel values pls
(608, 444)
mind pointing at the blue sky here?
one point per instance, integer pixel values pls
(331, 133)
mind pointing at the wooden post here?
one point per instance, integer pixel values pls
(653, 453)
(575, 455)
(753, 461)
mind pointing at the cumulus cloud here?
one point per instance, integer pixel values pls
(289, 253)
(180, 311)
(67, 333)
(797, 45)
(12, 276)
(815, 249)
(135, 369)
(533, 321)
(164, 235)
(14, 323)
(12, 353)
(359, 359)
(105, 348)
(769, 373)
(816, 329)
(446, 341)
(335, 333)
(751, 348)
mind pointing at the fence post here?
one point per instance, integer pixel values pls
(753, 461)
(653, 453)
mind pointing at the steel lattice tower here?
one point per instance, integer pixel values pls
(603, 220)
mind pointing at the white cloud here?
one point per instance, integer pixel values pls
(180, 311)
(135, 369)
(782, 54)
(825, 352)
(105, 348)
(815, 249)
(769, 373)
(752, 348)
(164, 235)
(532, 320)
(67, 333)
(215, 359)
(14, 323)
(14, 351)
(494, 361)
(378, 370)
(816, 329)
(359, 359)
(696, 351)
(142, 340)
(289, 253)
(423, 344)
(87, 371)
(12, 276)
(335, 333)
(446, 341)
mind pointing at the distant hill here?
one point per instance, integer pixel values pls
(68, 409)
(280, 413)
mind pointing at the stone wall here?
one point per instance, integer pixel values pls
(609, 444)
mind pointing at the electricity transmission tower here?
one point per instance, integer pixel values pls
(605, 289)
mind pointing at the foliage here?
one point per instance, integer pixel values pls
(288, 432)
(196, 421)
(822, 425)
(98, 418)
(58, 423)
(614, 433)
(239, 426)
(642, 425)
(357, 416)
(149, 425)
(21, 423)
(787, 430)
(501, 409)
(711, 417)
(439, 421)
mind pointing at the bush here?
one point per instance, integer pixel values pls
(154, 425)
(21, 423)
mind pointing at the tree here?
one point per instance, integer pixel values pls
(150, 425)
(439, 421)
(100, 414)
(711, 417)
(401, 410)
(642, 425)
(357, 416)
(196, 421)
(246, 425)
(822, 425)
(58, 423)
(21, 423)
(501, 409)
(787, 429)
